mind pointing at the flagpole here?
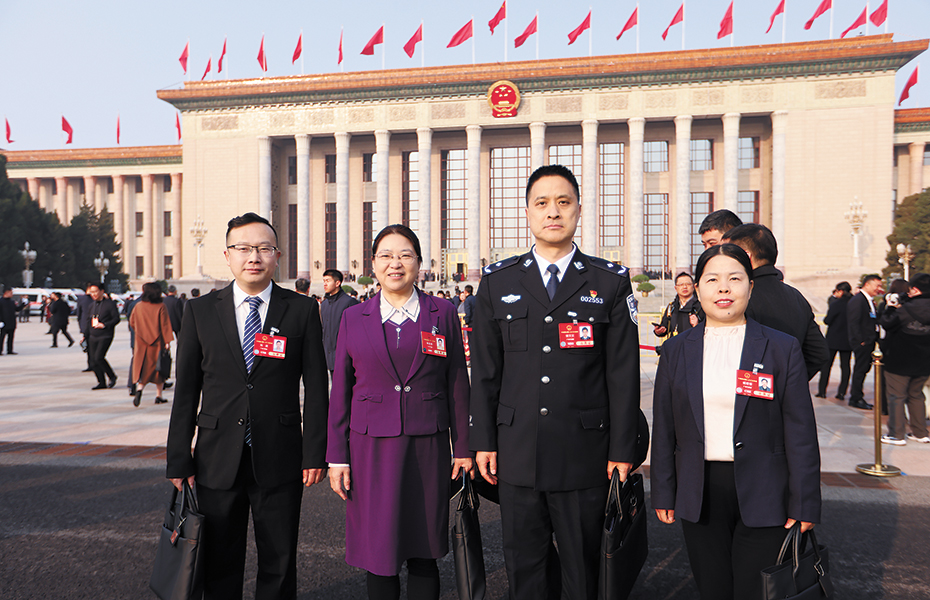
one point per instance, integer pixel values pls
(537, 35)
(886, 18)
(422, 47)
(867, 14)
(732, 24)
(301, 51)
(682, 24)
(783, 21)
(590, 34)
(342, 63)
(832, 11)
(506, 38)
(383, 45)
(473, 39)
(637, 27)
(189, 61)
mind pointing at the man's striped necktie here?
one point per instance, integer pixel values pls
(253, 325)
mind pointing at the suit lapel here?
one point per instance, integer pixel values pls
(572, 280)
(374, 329)
(226, 311)
(429, 317)
(277, 306)
(753, 349)
(531, 280)
(694, 371)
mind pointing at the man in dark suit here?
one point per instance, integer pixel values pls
(774, 303)
(245, 405)
(862, 322)
(102, 322)
(83, 318)
(551, 420)
(8, 310)
(334, 303)
(175, 309)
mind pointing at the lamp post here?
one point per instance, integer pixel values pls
(103, 265)
(29, 257)
(856, 216)
(905, 256)
(199, 232)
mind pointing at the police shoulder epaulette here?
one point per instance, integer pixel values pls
(615, 268)
(501, 264)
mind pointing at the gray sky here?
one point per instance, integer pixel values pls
(91, 60)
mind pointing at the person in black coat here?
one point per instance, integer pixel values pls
(334, 303)
(837, 340)
(8, 311)
(60, 310)
(175, 309)
(774, 303)
(83, 320)
(104, 317)
(862, 324)
(682, 313)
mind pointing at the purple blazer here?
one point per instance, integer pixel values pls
(368, 397)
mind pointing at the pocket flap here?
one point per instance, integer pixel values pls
(596, 418)
(509, 313)
(369, 398)
(206, 421)
(504, 414)
(433, 395)
(290, 419)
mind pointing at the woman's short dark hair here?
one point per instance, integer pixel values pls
(731, 250)
(399, 230)
(900, 287)
(844, 287)
(151, 292)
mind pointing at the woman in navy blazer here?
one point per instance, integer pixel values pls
(400, 394)
(736, 488)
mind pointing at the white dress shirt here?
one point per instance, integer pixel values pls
(409, 310)
(240, 301)
(562, 264)
(723, 347)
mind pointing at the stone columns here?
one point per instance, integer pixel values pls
(634, 224)
(264, 177)
(730, 160)
(303, 206)
(90, 193)
(342, 201)
(61, 200)
(148, 227)
(474, 201)
(32, 184)
(917, 167)
(425, 217)
(119, 220)
(537, 145)
(779, 162)
(589, 186)
(382, 204)
(45, 200)
(176, 233)
(682, 222)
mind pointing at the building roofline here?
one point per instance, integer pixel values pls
(865, 53)
(93, 157)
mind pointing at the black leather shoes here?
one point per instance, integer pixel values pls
(86, 370)
(168, 385)
(820, 395)
(99, 386)
(861, 404)
(112, 382)
(160, 400)
(137, 399)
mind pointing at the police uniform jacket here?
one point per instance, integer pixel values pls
(554, 415)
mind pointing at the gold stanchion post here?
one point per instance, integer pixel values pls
(878, 469)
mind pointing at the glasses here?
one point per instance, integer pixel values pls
(245, 250)
(407, 258)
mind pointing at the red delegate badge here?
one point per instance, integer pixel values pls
(757, 385)
(433, 343)
(271, 346)
(573, 335)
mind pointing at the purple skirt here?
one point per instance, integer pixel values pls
(398, 506)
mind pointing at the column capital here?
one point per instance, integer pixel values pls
(148, 178)
(117, 179)
(683, 120)
(424, 132)
(779, 121)
(731, 116)
(342, 137)
(382, 133)
(537, 128)
(175, 178)
(303, 143)
(473, 130)
(637, 127)
(588, 126)
(916, 146)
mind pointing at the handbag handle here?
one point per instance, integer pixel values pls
(613, 494)
(469, 497)
(793, 540)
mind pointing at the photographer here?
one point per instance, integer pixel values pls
(682, 313)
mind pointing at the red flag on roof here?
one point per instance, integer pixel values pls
(66, 127)
(463, 34)
(632, 22)
(860, 21)
(585, 25)
(881, 13)
(262, 59)
(184, 54)
(411, 46)
(219, 64)
(207, 70)
(500, 16)
(8, 139)
(726, 25)
(299, 48)
(177, 124)
(824, 7)
(780, 10)
(117, 130)
(339, 62)
(678, 18)
(911, 81)
(377, 38)
(530, 30)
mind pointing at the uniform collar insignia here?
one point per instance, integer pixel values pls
(511, 298)
(579, 265)
(527, 262)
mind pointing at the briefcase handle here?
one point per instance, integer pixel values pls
(793, 540)
(468, 496)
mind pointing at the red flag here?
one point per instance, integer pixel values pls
(632, 22)
(678, 18)
(299, 48)
(117, 130)
(824, 7)
(586, 24)
(66, 127)
(911, 81)
(859, 23)
(726, 25)
(377, 38)
(177, 124)
(530, 30)
(500, 16)
(778, 11)
(207, 70)
(219, 65)
(411, 46)
(8, 139)
(881, 13)
(262, 59)
(184, 55)
(339, 62)
(462, 34)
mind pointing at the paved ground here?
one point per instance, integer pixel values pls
(82, 494)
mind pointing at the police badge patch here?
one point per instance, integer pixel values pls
(633, 306)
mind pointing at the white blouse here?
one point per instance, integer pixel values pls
(723, 347)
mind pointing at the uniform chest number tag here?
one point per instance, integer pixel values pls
(433, 343)
(271, 346)
(573, 335)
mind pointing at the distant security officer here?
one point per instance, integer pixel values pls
(555, 391)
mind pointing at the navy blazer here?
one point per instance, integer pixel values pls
(776, 454)
(369, 397)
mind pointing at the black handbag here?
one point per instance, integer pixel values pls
(624, 546)
(466, 544)
(801, 576)
(178, 571)
(164, 364)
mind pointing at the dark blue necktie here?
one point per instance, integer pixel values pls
(253, 325)
(553, 283)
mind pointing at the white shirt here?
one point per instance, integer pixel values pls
(240, 302)
(562, 264)
(410, 309)
(723, 347)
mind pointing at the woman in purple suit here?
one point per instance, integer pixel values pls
(399, 397)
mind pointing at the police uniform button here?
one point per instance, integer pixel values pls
(545, 379)
(739, 445)
(544, 411)
(241, 421)
(547, 349)
(407, 389)
(548, 319)
(396, 388)
(591, 319)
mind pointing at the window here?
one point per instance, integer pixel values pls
(702, 155)
(330, 176)
(81, 186)
(510, 168)
(453, 202)
(747, 206)
(167, 223)
(54, 187)
(926, 156)
(169, 267)
(109, 185)
(749, 153)
(330, 235)
(702, 204)
(569, 155)
(655, 157)
(137, 181)
(140, 224)
(140, 266)
(611, 195)
(410, 181)
(894, 154)
(291, 170)
(368, 227)
(370, 167)
(655, 232)
(292, 241)
(167, 184)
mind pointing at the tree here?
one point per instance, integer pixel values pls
(911, 226)
(92, 234)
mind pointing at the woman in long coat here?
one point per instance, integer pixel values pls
(149, 320)
(399, 396)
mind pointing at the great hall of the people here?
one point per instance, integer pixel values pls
(794, 136)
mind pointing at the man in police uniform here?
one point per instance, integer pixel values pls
(552, 414)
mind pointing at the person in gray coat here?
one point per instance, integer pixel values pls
(334, 303)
